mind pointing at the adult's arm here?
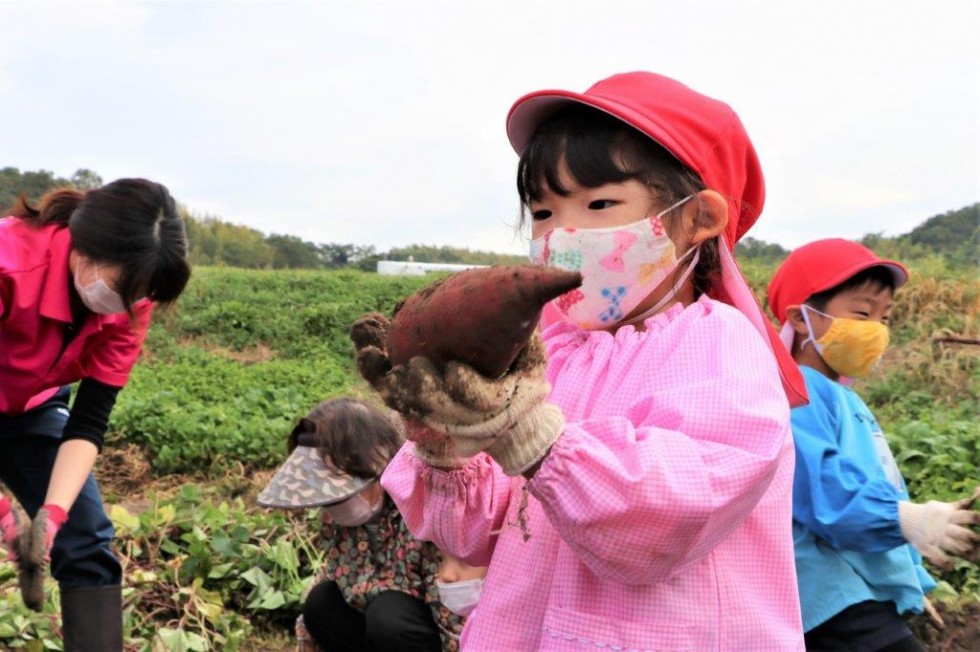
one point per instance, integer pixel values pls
(81, 441)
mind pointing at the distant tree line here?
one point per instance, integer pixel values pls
(955, 235)
(216, 242)
(13, 183)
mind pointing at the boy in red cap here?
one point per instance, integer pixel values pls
(629, 479)
(858, 537)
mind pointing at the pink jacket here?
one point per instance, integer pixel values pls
(35, 310)
(660, 520)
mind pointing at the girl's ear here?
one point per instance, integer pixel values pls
(794, 316)
(706, 217)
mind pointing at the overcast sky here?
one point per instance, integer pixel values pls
(383, 122)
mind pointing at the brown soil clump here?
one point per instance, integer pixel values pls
(960, 634)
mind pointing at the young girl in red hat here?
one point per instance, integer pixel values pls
(858, 537)
(634, 491)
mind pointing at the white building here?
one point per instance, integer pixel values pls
(412, 268)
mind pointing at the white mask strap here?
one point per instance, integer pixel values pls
(667, 298)
(673, 206)
(805, 310)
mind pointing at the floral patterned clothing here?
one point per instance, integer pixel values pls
(382, 556)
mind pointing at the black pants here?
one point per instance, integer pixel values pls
(392, 621)
(864, 627)
(82, 554)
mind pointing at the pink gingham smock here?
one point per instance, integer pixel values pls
(661, 518)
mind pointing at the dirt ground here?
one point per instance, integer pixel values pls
(961, 633)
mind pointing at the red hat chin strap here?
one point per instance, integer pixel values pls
(736, 292)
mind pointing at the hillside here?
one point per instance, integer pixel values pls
(953, 236)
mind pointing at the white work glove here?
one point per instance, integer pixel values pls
(936, 528)
(454, 414)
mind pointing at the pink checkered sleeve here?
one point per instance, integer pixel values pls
(690, 458)
(461, 511)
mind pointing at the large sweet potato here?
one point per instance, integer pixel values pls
(481, 316)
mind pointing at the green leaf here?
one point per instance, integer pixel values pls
(172, 639)
(272, 600)
(196, 642)
(122, 519)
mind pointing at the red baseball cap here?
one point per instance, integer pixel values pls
(705, 135)
(702, 133)
(821, 265)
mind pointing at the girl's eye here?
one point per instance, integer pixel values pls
(599, 204)
(863, 314)
(540, 214)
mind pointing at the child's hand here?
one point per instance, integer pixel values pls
(507, 417)
(457, 414)
(936, 528)
(370, 336)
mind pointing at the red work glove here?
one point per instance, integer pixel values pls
(9, 528)
(44, 528)
(35, 553)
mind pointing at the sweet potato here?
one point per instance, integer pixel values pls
(482, 316)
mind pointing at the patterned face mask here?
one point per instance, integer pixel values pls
(620, 267)
(851, 347)
(98, 296)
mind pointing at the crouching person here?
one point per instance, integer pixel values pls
(377, 589)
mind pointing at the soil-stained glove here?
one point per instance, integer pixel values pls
(9, 529)
(456, 414)
(507, 417)
(936, 528)
(35, 553)
(30, 577)
(370, 336)
(44, 528)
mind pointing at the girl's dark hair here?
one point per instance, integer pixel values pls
(596, 149)
(877, 277)
(132, 223)
(357, 438)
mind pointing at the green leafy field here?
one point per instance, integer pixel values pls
(226, 374)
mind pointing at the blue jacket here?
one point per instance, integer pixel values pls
(848, 542)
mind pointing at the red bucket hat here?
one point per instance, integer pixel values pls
(705, 135)
(820, 266)
(702, 133)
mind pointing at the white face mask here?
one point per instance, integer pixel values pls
(620, 267)
(356, 510)
(460, 597)
(98, 296)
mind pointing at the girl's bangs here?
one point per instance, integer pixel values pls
(592, 153)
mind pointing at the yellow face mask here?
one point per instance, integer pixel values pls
(851, 347)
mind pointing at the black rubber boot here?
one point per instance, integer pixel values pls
(91, 619)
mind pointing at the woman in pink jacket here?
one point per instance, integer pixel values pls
(634, 493)
(80, 275)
